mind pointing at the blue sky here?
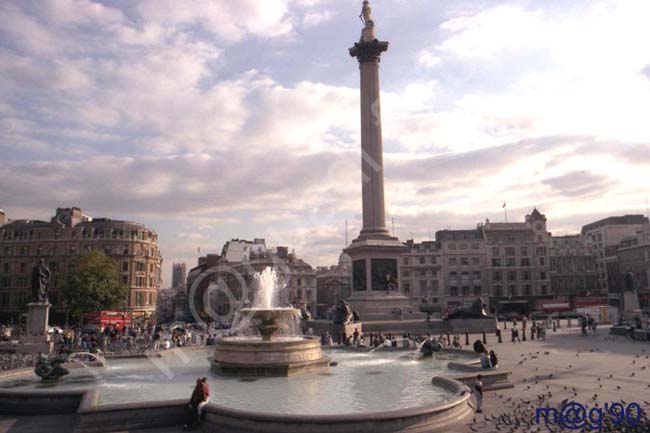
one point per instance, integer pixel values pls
(208, 120)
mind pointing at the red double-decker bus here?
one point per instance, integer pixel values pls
(101, 319)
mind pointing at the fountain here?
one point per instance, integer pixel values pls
(268, 343)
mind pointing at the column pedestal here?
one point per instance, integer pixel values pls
(37, 339)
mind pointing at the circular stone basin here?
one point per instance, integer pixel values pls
(354, 386)
(259, 357)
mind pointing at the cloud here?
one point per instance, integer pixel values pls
(578, 183)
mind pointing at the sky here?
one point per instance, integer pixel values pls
(211, 120)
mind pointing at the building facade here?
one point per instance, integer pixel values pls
(217, 286)
(517, 257)
(634, 256)
(333, 283)
(68, 234)
(573, 267)
(179, 275)
(606, 235)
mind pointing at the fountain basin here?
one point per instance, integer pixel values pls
(250, 356)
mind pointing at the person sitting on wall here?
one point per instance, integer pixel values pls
(493, 359)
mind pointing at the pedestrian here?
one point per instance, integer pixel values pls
(486, 363)
(478, 390)
(355, 335)
(542, 333)
(200, 397)
(515, 333)
(493, 359)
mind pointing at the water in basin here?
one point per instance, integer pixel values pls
(361, 382)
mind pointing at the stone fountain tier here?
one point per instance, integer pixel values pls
(237, 356)
(269, 355)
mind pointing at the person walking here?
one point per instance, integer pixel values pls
(515, 333)
(478, 390)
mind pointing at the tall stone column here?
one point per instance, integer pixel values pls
(372, 162)
(376, 292)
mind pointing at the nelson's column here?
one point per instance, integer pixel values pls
(376, 291)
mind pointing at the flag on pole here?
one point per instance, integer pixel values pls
(504, 205)
(198, 249)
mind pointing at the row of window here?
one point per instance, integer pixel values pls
(510, 262)
(28, 235)
(464, 291)
(512, 275)
(464, 261)
(55, 250)
(514, 290)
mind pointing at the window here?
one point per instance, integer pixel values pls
(23, 268)
(139, 298)
(477, 290)
(525, 275)
(475, 246)
(465, 291)
(405, 274)
(525, 261)
(5, 282)
(453, 291)
(407, 287)
(405, 261)
(125, 279)
(463, 246)
(476, 260)
(140, 266)
(527, 291)
(524, 251)
(477, 275)
(542, 261)
(453, 275)
(544, 290)
(423, 285)
(496, 275)
(542, 275)
(422, 260)
(512, 276)
(510, 251)
(511, 262)
(464, 261)
(464, 275)
(150, 299)
(498, 290)
(5, 268)
(125, 250)
(125, 266)
(423, 273)
(496, 262)
(434, 260)
(453, 261)
(495, 251)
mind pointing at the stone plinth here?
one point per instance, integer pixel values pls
(36, 338)
(38, 314)
(630, 304)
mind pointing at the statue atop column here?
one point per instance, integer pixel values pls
(368, 32)
(40, 278)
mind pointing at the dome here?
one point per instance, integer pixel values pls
(345, 259)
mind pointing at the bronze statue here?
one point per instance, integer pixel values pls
(343, 314)
(629, 281)
(49, 369)
(40, 278)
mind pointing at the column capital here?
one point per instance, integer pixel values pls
(368, 51)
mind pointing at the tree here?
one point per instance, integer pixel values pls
(93, 284)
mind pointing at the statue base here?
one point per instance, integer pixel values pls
(38, 314)
(631, 305)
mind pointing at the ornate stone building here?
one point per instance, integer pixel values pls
(333, 283)
(573, 267)
(59, 241)
(634, 256)
(606, 235)
(217, 286)
(517, 255)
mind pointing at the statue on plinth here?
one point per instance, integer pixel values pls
(630, 284)
(49, 368)
(343, 314)
(368, 32)
(40, 278)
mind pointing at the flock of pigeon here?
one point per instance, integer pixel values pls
(518, 411)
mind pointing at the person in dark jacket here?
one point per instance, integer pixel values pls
(199, 398)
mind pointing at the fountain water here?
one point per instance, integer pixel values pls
(267, 341)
